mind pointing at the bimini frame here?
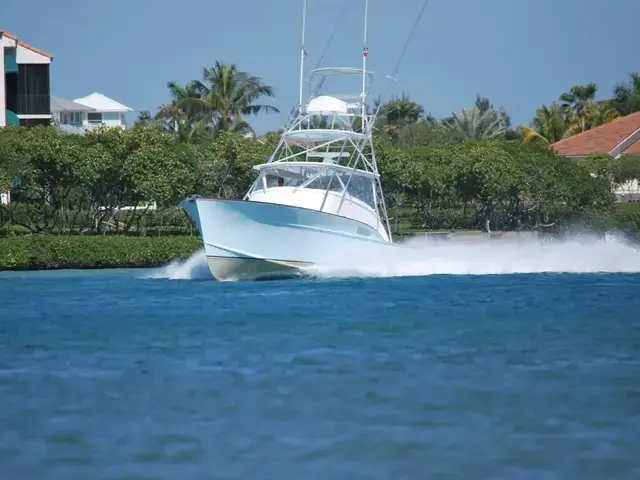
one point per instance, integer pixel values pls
(331, 133)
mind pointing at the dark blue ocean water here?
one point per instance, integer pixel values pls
(113, 375)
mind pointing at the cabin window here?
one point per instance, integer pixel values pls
(361, 188)
(288, 176)
(327, 181)
(320, 178)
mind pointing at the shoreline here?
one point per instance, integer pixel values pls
(52, 253)
(87, 267)
(42, 253)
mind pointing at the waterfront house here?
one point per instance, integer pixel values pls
(92, 111)
(617, 138)
(24, 83)
(104, 111)
(69, 115)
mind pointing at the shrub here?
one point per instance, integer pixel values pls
(47, 252)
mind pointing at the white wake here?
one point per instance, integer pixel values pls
(461, 256)
(468, 256)
(195, 267)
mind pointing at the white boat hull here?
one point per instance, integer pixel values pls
(247, 240)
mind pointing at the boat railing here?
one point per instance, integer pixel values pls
(315, 167)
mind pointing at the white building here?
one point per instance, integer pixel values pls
(24, 83)
(105, 111)
(69, 113)
(92, 111)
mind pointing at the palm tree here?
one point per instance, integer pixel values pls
(396, 115)
(548, 126)
(144, 118)
(552, 124)
(626, 96)
(596, 114)
(224, 96)
(576, 103)
(399, 112)
(183, 123)
(473, 124)
(179, 93)
(600, 113)
(484, 104)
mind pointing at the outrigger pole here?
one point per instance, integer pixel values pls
(303, 53)
(393, 76)
(365, 53)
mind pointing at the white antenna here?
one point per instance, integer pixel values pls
(364, 64)
(303, 53)
(394, 76)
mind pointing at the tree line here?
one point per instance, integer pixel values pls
(472, 170)
(225, 97)
(80, 183)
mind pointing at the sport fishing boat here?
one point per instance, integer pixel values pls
(319, 195)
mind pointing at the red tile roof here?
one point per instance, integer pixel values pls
(25, 45)
(602, 139)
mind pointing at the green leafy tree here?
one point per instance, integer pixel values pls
(426, 131)
(161, 170)
(14, 148)
(625, 170)
(226, 169)
(626, 96)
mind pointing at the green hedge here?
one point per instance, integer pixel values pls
(51, 252)
(45, 219)
(628, 207)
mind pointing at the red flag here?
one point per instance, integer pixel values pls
(366, 51)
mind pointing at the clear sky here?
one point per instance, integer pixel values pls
(520, 54)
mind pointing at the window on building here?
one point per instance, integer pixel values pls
(33, 89)
(94, 117)
(32, 122)
(10, 60)
(71, 118)
(111, 116)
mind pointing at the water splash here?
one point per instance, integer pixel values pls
(481, 256)
(195, 267)
(460, 256)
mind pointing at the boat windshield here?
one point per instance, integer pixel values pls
(321, 178)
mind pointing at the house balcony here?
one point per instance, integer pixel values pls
(97, 125)
(93, 125)
(72, 124)
(33, 104)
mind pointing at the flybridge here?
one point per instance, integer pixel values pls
(325, 159)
